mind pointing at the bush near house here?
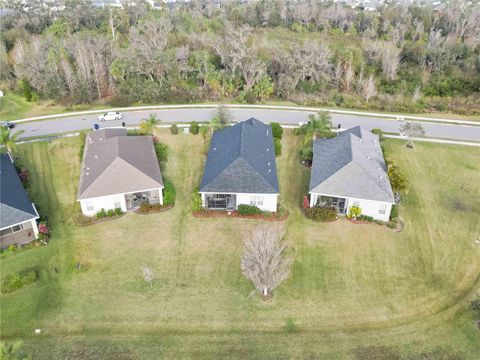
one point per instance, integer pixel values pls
(248, 210)
(277, 130)
(321, 213)
(18, 280)
(168, 193)
(196, 201)
(278, 146)
(194, 128)
(146, 208)
(174, 129)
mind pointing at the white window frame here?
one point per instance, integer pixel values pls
(383, 209)
(89, 205)
(256, 200)
(17, 228)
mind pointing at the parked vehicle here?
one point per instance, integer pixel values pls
(110, 115)
(8, 125)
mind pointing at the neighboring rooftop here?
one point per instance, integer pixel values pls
(15, 205)
(351, 165)
(114, 163)
(241, 159)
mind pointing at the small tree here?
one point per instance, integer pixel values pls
(277, 144)
(222, 117)
(398, 181)
(412, 130)
(148, 125)
(263, 260)
(8, 141)
(147, 275)
(174, 129)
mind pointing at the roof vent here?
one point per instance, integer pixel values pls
(214, 148)
(268, 149)
(101, 139)
(269, 170)
(369, 157)
(267, 132)
(96, 157)
(380, 176)
(87, 173)
(269, 163)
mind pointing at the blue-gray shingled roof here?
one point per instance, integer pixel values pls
(15, 205)
(350, 165)
(241, 159)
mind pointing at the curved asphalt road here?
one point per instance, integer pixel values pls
(287, 117)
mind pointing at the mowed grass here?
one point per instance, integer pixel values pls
(355, 292)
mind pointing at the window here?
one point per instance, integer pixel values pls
(383, 209)
(117, 203)
(89, 205)
(256, 200)
(17, 228)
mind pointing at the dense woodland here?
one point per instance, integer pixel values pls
(399, 58)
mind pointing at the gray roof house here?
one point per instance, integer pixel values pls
(241, 168)
(118, 171)
(351, 167)
(18, 214)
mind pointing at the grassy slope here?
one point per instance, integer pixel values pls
(352, 287)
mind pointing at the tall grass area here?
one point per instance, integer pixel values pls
(355, 292)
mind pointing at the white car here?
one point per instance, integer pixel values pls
(111, 115)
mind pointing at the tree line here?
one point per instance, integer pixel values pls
(403, 58)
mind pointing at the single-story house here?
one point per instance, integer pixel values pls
(349, 170)
(118, 171)
(241, 168)
(18, 215)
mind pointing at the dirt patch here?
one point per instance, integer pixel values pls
(235, 214)
(458, 205)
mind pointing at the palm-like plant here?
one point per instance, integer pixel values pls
(8, 141)
(148, 125)
(12, 351)
(319, 124)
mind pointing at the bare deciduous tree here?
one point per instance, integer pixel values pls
(411, 130)
(369, 88)
(264, 261)
(147, 275)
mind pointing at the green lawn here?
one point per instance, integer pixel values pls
(355, 292)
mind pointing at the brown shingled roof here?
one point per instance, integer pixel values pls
(115, 163)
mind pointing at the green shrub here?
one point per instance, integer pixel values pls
(204, 131)
(321, 213)
(244, 209)
(82, 220)
(168, 193)
(196, 201)
(174, 129)
(392, 224)
(18, 280)
(475, 306)
(394, 212)
(12, 248)
(118, 211)
(101, 214)
(194, 128)
(378, 132)
(162, 152)
(290, 326)
(364, 217)
(111, 213)
(277, 130)
(277, 143)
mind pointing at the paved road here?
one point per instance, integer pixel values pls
(289, 117)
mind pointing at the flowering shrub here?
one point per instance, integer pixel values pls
(306, 203)
(43, 229)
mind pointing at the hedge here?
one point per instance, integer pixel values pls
(169, 193)
(18, 280)
(248, 210)
(321, 213)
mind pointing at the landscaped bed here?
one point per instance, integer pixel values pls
(235, 214)
(355, 292)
